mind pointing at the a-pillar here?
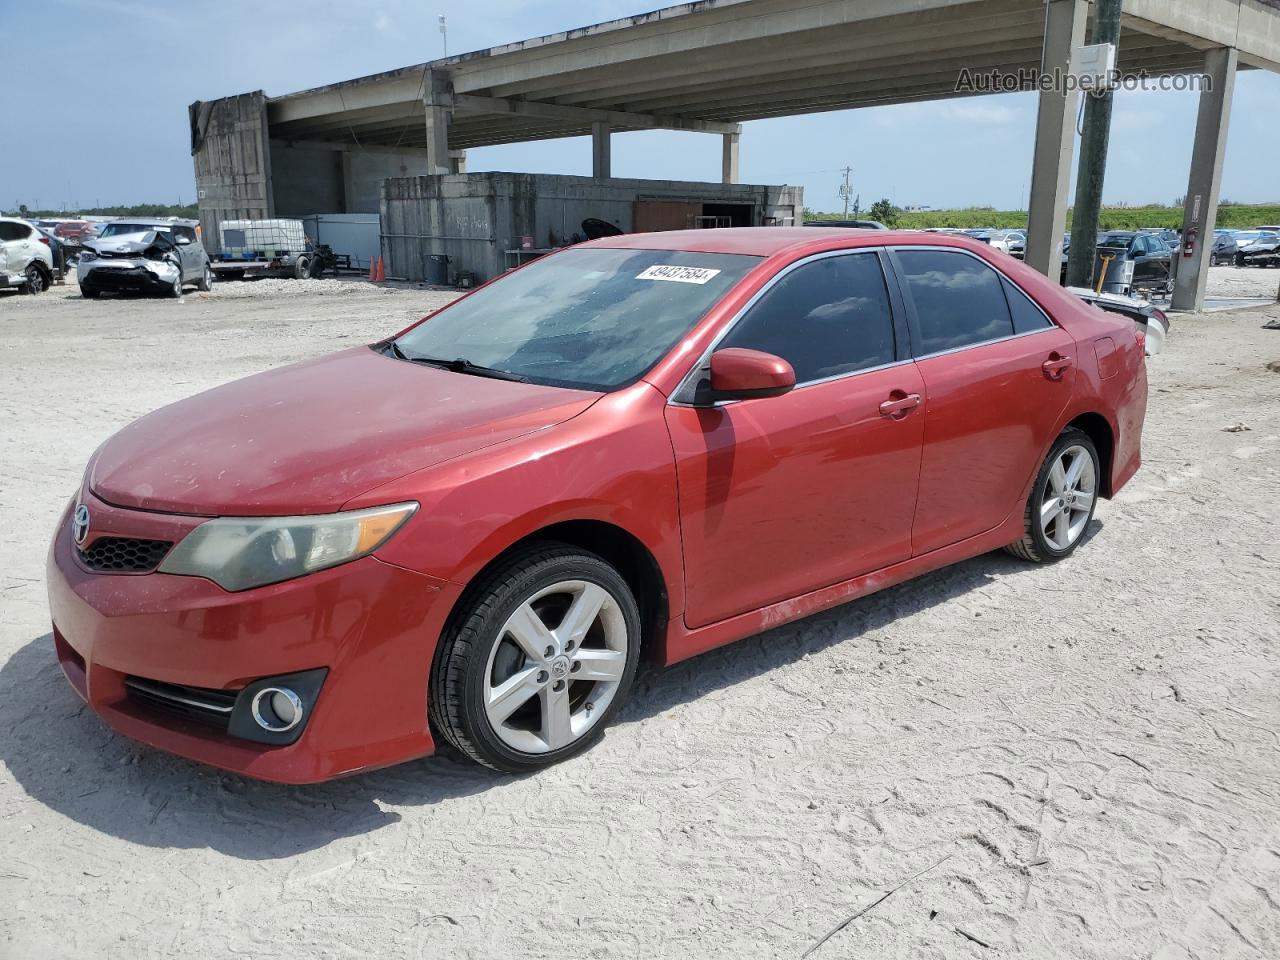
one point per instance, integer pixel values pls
(600, 149)
(729, 157)
(1055, 138)
(1201, 210)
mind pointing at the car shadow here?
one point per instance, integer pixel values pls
(68, 760)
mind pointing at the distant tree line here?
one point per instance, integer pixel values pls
(186, 211)
(1233, 215)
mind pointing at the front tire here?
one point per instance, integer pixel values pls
(1062, 500)
(538, 661)
(206, 280)
(36, 280)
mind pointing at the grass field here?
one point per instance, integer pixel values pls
(1112, 218)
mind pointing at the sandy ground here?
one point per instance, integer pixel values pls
(1093, 746)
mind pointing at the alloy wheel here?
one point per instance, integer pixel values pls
(1069, 495)
(556, 666)
(35, 280)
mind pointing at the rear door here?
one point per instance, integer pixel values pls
(6, 238)
(997, 374)
(782, 495)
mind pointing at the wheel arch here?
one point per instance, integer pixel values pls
(1099, 430)
(622, 549)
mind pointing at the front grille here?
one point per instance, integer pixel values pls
(197, 702)
(124, 554)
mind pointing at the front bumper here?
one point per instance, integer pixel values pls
(118, 275)
(372, 625)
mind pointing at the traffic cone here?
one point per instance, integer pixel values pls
(382, 270)
(373, 269)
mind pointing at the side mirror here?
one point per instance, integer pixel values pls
(741, 374)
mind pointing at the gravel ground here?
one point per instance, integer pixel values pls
(1093, 746)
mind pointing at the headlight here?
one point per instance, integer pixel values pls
(86, 255)
(242, 552)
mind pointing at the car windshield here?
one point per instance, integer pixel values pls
(591, 318)
(1115, 239)
(118, 228)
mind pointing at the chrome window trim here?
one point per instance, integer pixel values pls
(983, 343)
(685, 381)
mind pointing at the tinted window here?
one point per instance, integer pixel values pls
(958, 299)
(14, 231)
(591, 317)
(1026, 315)
(185, 232)
(825, 318)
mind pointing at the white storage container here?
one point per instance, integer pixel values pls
(257, 239)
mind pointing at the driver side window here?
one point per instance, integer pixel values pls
(826, 318)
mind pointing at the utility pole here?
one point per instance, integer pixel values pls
(1093, 157)
(444, 34)
(844, 191)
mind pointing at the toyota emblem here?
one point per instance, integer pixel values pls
(80, 524)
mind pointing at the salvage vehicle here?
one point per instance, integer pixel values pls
(1151, 258)
(650, 444)
(1151, 320)
(155, 257)
(1225, 246)
(26, 260)
(1260, 251)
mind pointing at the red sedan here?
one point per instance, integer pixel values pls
(644, 445)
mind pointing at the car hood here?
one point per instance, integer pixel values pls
(308, 437)
(124, 243)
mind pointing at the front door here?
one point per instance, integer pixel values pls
(997, 375)
(783, 495)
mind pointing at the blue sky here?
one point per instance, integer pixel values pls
(118, 133)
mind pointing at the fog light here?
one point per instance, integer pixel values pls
(277, 709)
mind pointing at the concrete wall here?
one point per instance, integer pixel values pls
(309, 177)
(232, 158)
(476, 218)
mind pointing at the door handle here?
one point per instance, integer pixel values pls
(1056, 365)
(898, 408)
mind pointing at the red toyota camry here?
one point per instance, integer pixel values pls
(647, 445)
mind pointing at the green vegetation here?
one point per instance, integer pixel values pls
(186, 211)
(1233, 215)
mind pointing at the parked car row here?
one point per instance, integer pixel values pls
(1259, 247)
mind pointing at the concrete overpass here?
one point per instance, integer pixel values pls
(711, 65)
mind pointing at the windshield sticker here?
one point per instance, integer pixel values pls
(662, 271)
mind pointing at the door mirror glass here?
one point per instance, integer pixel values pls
(741, 374)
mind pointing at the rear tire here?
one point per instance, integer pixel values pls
(514, 692)
(301, 268)
(1062, 501)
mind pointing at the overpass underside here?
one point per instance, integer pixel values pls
(708, 67)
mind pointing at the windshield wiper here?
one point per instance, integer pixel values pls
(457, 365)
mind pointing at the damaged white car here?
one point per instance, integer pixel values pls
(132, 257)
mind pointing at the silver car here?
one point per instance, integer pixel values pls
(144, 256)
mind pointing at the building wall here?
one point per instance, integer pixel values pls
(475, 219)
(232, 158)
(322, 177)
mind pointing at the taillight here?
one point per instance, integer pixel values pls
(1142, 337)
(45, 241)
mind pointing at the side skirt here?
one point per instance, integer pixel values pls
(682, 643)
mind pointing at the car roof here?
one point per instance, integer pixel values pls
(761, 241)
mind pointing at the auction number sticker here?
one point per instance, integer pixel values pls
(662, 271)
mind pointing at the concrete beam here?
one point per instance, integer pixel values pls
(1205, 181)
(468, 104)
(729, 158)
(600, 149)
(437, 102)
(1055, 139)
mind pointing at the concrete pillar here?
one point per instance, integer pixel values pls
(1055, 139)
(457, 161)
(600, 147)
(438, 104)
(1201, 210)
(729, 157)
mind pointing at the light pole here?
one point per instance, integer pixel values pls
(444, 34)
